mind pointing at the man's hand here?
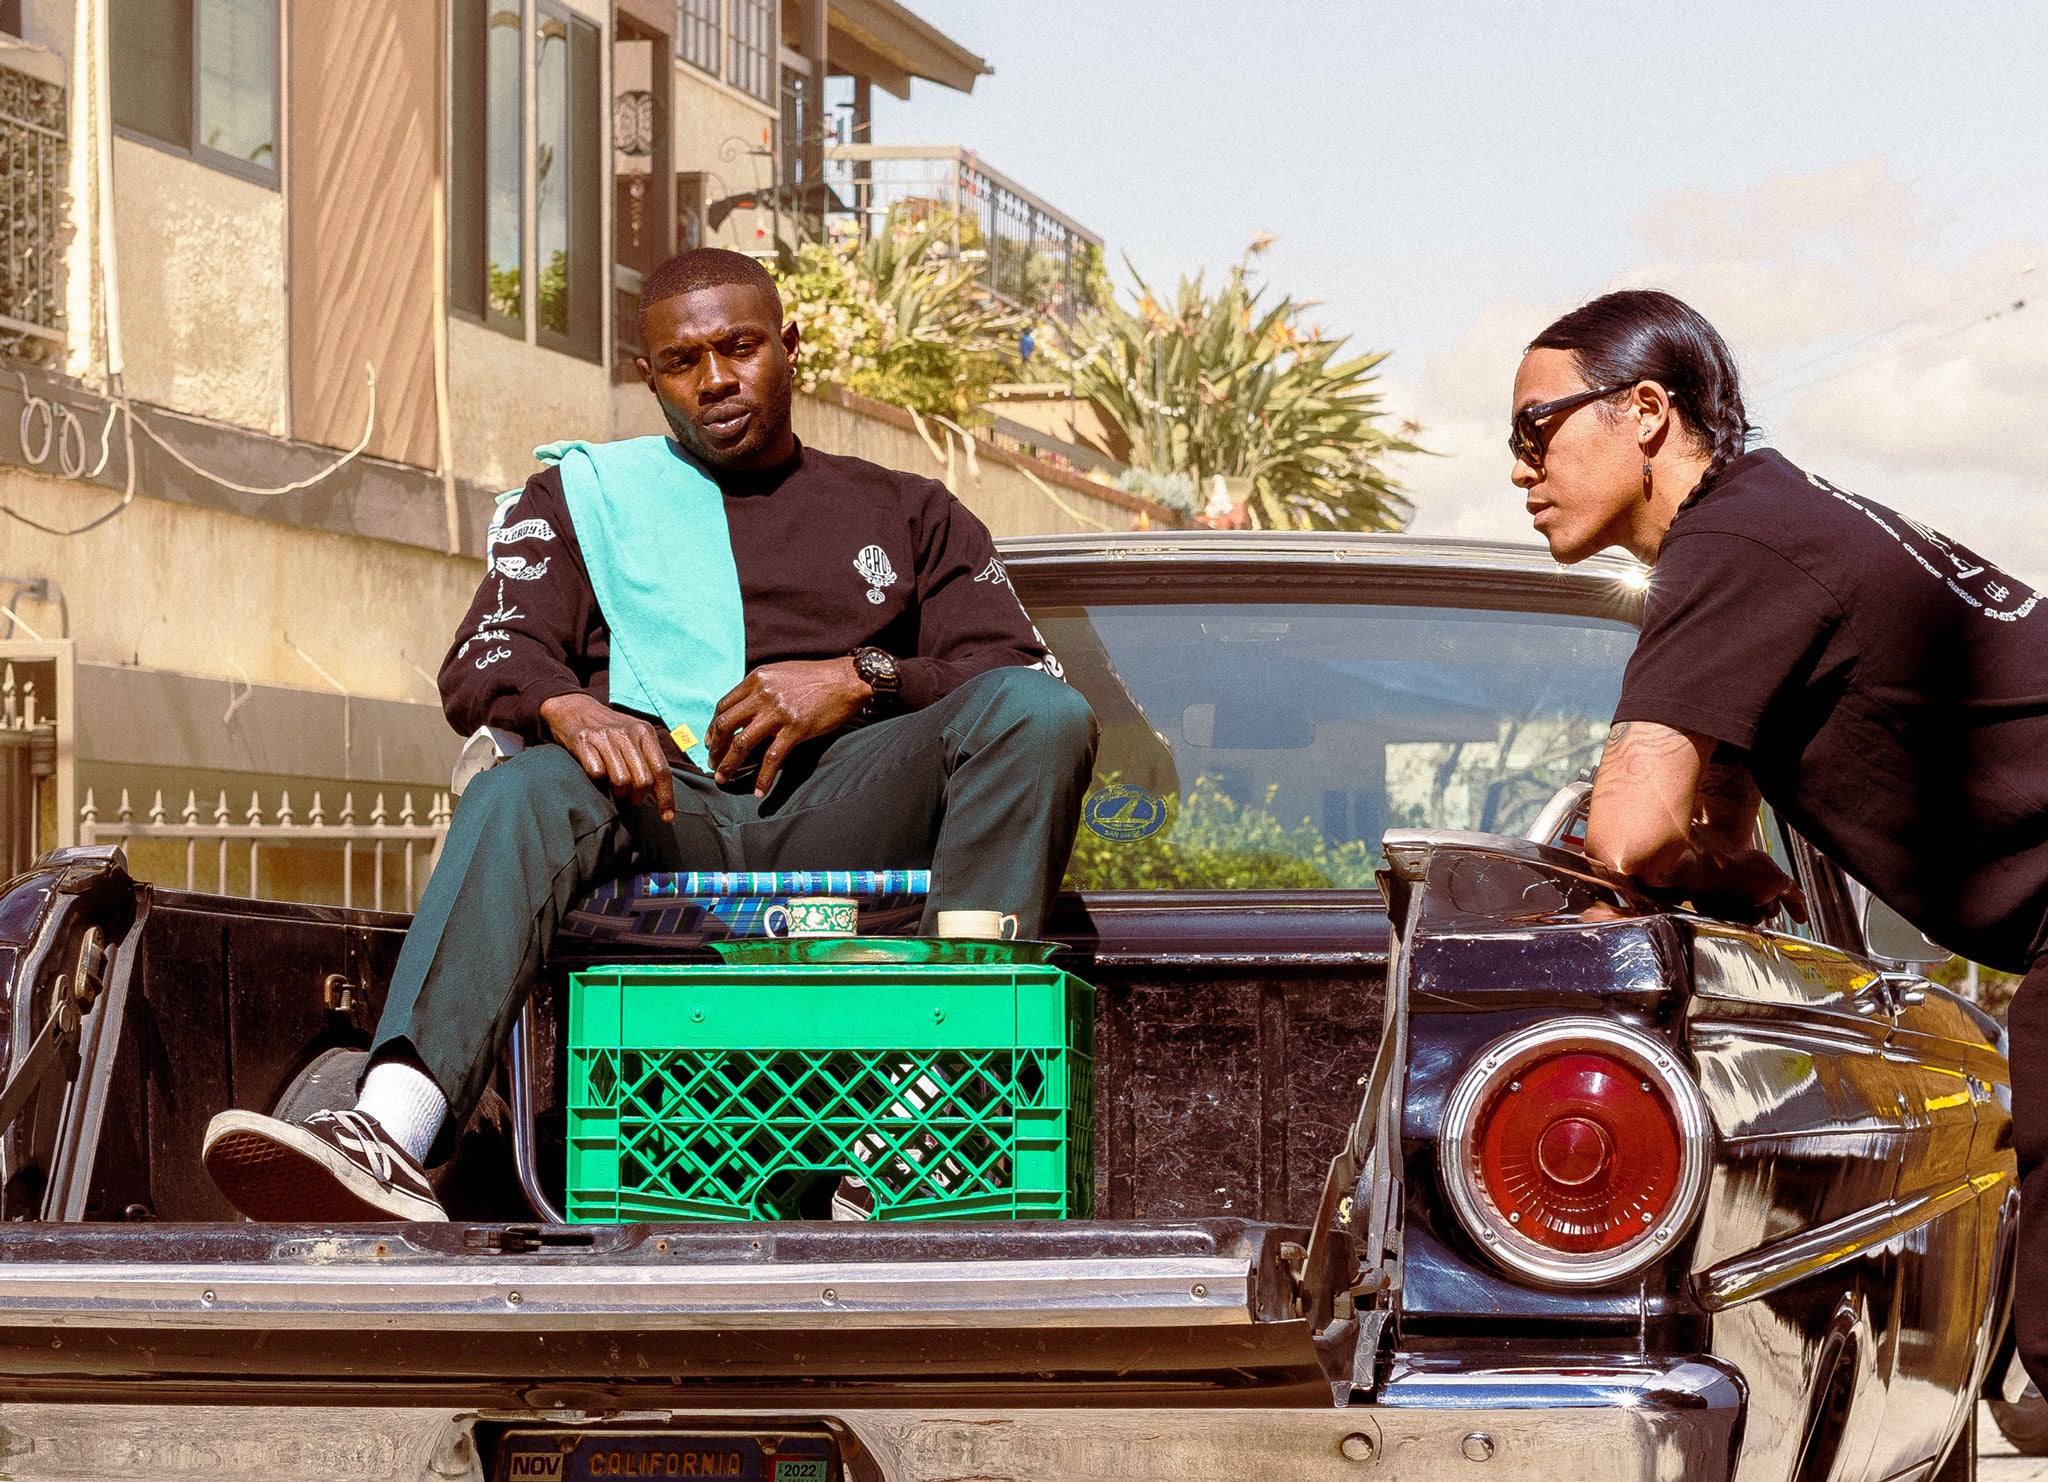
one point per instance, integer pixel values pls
(1662, 815)
(781, 706)
(622, 751)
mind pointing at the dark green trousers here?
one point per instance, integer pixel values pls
(983, 788)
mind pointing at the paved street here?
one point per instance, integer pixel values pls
(1997, 1461)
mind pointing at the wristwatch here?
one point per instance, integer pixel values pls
(877, 670)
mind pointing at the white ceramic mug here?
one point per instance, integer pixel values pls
(986, 925)
(812, 916)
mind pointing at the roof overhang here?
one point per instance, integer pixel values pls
(883, 42)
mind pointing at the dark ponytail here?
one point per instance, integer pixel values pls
(1640, 334)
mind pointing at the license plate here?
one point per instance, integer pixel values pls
(743, 1456)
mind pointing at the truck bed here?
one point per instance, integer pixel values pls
(1233, 1033)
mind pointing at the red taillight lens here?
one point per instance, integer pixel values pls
(1578, 1152)
(1575, 1150)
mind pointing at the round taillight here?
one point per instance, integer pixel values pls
(1575, 1151)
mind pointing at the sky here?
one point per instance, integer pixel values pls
(1856, 195)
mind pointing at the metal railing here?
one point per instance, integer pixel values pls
(32, 165)
(1032, 254)
(28, 753)
(345, 834)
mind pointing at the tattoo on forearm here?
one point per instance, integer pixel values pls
(1725, 782)
(1637, 752)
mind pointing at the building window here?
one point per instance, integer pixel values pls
(489, 181)
(486, 167)
(10, 17)
(700, 35)
(753, 48)
(567, 178)
(504, 168)
(200, 76)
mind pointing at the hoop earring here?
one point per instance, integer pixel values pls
(1646, 481)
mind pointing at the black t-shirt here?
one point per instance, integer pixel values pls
(1887, 688)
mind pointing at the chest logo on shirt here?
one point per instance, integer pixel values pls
(873, 565)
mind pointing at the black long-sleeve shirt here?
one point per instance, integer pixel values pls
(833, 554)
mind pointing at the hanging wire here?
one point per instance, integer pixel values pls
(124, 409)
(369, 428)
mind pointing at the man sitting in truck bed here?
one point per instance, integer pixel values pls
(748, 655)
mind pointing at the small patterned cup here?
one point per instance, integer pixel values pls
(812, 916)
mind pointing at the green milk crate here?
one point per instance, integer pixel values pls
(730, 1093)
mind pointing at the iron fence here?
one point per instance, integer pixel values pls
(351, 839)
(32, 164)
(28, 753)
(1031, 255)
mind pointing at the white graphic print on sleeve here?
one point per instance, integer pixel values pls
(993, 572)
(524, 530)
(516, 567)
(503, 614)
(488, 629)
(1963, 571)
(873, 565)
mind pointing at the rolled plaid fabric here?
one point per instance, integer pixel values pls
(786, 883)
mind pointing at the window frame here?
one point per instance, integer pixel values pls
(589, 264)
(466, 187)
(767, 56)
(513, 326)
(270, 176)
(690, 21)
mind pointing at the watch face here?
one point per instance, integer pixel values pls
(876, 668)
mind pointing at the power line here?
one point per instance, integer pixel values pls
(2004, 312)
(1793, 372)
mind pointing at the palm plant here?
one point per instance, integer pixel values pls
(901, 317)
(1232, 384)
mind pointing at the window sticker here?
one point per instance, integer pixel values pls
(1124, 813)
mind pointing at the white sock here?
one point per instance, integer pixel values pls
(406, 1103)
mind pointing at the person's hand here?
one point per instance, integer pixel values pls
(1745, 885)
(779, 707)
(622, 751)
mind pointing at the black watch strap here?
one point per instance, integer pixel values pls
(877, 670)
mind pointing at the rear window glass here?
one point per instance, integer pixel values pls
(1251, 746)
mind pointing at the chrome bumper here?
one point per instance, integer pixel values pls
(1599, 1422)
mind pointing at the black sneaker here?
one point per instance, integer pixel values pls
(853, 1199)
(334, 1166)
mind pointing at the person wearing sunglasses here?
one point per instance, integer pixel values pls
(1884, 687)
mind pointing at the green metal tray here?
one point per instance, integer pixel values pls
(897, 951)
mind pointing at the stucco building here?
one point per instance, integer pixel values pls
(290, 290)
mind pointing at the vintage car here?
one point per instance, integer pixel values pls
(1420, 1144)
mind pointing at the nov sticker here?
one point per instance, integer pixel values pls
(1124, 812)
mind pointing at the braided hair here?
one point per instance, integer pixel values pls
(1640, 334)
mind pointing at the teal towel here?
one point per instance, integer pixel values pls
(652, 530)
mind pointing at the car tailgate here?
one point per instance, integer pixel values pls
(483, 1311)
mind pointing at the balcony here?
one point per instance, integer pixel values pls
(32, 164)
(1033, 256)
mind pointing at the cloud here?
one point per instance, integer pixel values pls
(1867, 354)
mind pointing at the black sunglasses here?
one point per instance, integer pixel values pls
(1527, 441)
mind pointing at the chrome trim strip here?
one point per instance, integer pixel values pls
(1405, 552)
(524, 1295)
(525, 1135)
(1779, 1264)
(1598, 1423)
(1509, 1247)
